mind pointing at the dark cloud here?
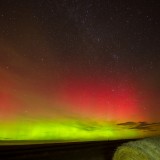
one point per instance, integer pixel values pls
(141, 125)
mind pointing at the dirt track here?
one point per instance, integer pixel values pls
(101, 150)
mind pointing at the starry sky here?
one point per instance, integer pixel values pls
(78, 59)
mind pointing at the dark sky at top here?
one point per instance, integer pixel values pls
(46, 43)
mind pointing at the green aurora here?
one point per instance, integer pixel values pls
(67, 130)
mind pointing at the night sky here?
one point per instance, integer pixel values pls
(78, 59)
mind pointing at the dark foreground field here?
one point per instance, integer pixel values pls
(99, 150)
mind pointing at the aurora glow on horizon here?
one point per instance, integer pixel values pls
(79, 111)
(69, 74)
